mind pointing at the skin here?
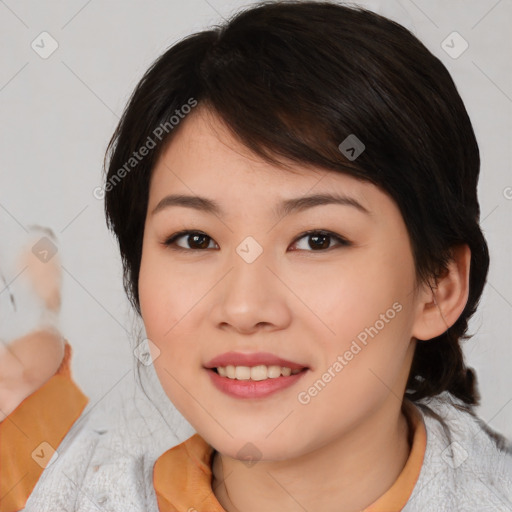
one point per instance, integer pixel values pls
(27, 362)
(348, 445)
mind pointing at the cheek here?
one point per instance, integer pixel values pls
(368, 289)
(368, 311)
(165, 295)
(167, 300)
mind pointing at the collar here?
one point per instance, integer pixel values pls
(182, 475)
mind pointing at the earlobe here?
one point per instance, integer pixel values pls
(441, 305)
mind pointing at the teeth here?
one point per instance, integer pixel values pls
(260, 372)
(286, 371)
(273, 372)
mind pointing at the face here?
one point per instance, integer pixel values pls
(336, 304)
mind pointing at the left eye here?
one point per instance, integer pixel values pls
(320, 240)
(198, 241)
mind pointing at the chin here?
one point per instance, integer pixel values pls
(252, 449)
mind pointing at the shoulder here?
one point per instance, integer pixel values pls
(107, 458)
(467, 465)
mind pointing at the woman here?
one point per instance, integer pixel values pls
(295, 199)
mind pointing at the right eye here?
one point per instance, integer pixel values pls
(196, 240)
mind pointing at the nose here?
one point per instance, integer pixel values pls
(251, 297)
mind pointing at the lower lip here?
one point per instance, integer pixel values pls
(252, 388)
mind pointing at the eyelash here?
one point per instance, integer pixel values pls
(171, 241)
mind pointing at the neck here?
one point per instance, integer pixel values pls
(348, 474)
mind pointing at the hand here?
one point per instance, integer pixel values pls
(32, 358)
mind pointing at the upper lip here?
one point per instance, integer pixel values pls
(252, 359)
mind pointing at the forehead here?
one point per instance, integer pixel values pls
(205, 146)
(203, 155)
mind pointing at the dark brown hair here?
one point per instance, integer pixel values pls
(294, 79)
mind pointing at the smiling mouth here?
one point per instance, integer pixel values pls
(256, 373)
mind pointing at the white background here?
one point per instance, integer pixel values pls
(57, 116)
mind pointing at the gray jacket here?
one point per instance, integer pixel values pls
(105, 462)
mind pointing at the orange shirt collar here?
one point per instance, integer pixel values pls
(182, 475)
(396, 497)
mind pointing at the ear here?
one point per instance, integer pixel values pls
(440, 306)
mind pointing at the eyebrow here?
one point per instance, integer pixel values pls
(284, 208)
